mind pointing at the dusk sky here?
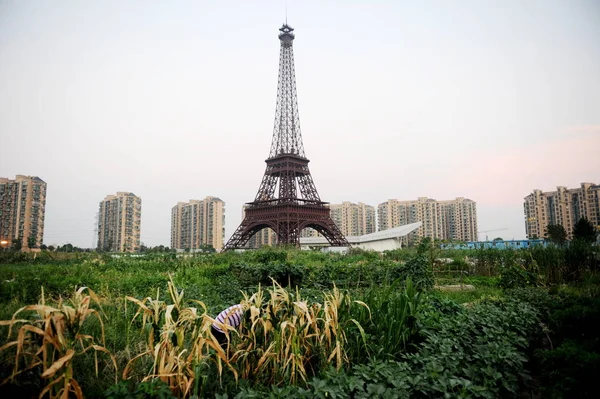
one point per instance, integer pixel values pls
(175, 100)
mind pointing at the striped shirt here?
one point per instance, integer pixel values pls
(232, 316)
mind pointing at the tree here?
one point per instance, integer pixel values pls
(498, 239)
(31, 242)
(584, 231)
(17, 244)
(556, 234)
(430, 249)
(207, 248)
(66, 248)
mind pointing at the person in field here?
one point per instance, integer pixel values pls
(232, 316)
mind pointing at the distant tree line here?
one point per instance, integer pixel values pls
(583, 232)
(156, 249)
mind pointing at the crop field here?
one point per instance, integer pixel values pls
(418, 322)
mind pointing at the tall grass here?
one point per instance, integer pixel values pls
(388, 320)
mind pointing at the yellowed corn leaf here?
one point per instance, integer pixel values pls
(21, 336)
(266, 355)
(58, 364)
(45, 308)
(77, 389)
(11, 322)
(139, 303)
(8, 345)
(126, 370)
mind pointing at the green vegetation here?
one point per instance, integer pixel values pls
(315, 325)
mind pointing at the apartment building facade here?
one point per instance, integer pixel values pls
(119, 223)
(22, 210)
(563, 207)
(354, 219)
(264, 237)
(442, 220)
(198, 223)
(460, 219)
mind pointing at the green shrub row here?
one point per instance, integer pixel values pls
(567, 362)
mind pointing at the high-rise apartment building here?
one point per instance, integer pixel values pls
(198, 223)
(563, 207)
(22, 210)
(460, 217)
(119, 221)
(264, 237)
(309, 232)
(444, 220)
(354, 219)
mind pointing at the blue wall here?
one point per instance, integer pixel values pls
(508, 244)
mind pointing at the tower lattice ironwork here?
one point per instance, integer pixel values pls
(287, 200)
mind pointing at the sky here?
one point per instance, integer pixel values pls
(175, 100)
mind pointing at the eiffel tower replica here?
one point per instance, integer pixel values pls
(287, 201)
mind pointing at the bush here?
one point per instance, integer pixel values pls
(419, 271)
(569, 361)
(285, 274)
(537, 297)
(269, 255)
(517, 277)
(570, 370)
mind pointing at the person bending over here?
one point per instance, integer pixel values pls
(232, 316)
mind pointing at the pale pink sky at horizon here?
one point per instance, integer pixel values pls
(517, 170)
(175, 101)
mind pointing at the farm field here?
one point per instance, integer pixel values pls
(315, 325)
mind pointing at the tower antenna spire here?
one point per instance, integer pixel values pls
(286, 12)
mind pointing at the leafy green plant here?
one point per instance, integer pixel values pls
(569, 370)
(517, 277)
(152, 389)
(418, 269)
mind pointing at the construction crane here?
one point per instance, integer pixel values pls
(489, 231)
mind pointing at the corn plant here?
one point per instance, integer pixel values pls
(178, 339)
(53, 339)
(284, 339)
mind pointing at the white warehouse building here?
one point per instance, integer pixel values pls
(379, 241)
